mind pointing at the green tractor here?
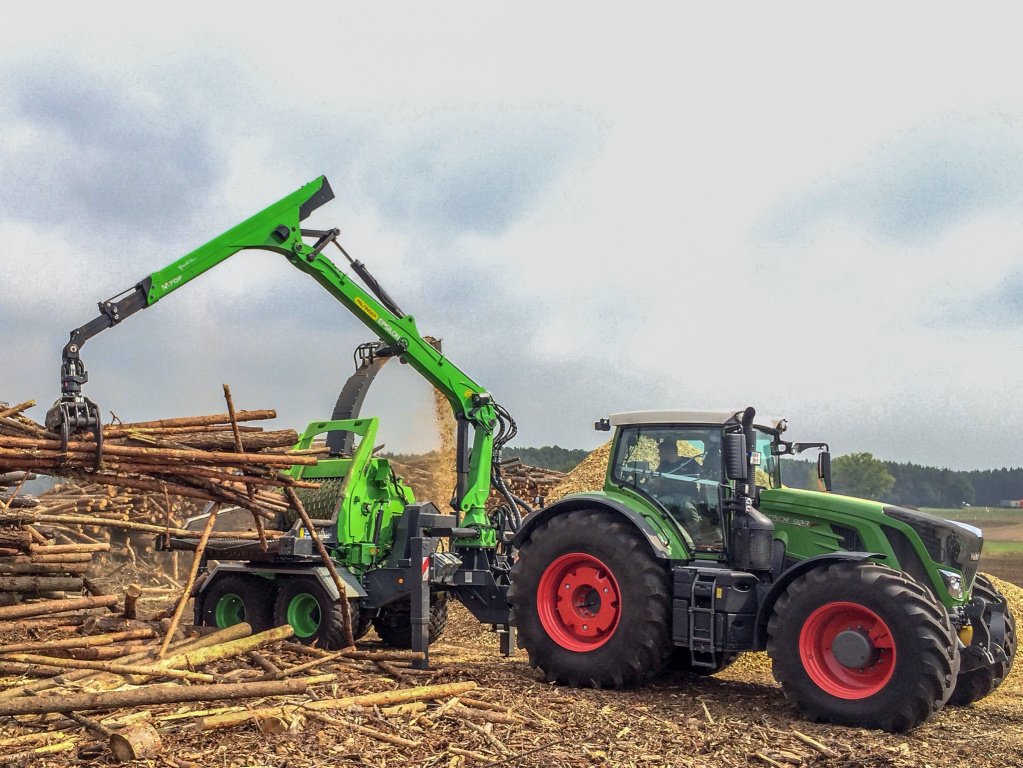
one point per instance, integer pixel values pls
(694, 552)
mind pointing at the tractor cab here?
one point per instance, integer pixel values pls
(675, 460)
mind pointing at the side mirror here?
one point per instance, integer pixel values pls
(603, 425)
(824, 471)
(735, 456)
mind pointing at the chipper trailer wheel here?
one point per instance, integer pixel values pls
(394, 622)
(235, 598)
(590, 601)
(975, 684)
(863, 645)
(315, 616)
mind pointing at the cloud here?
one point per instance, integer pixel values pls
(82, 149)
(917, 186)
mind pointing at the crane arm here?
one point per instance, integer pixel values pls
(278, 229)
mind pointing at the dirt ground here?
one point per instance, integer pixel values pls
(738, 718)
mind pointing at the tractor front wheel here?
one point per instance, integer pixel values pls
(237, 597)
(863, 645)
(591, 602)
(975, 684)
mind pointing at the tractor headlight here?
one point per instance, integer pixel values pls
(953, 583)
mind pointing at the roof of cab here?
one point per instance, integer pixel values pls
(693, 417)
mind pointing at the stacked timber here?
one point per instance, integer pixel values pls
(533, 484)
(218, 458)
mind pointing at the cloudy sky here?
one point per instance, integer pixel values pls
(599, 206)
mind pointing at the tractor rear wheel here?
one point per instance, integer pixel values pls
(394, 622)
(591, 602)
(315, 616)
(237, 597)
(861, 644)
(977, 683)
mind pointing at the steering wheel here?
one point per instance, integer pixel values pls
(687, 462)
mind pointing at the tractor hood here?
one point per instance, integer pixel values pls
(815, 502)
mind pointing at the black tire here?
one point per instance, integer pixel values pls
(910, 670)
(977, 683)
(315, 616)
(630, 640)
(236, 597)
(394, 622)
(682, 661)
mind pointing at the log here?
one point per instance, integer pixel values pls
(186, 593)
(38, 583)
(132, 593)
(63, 549)
(137, 670)
(427, 692)
(89, 641)
(195, 658)
(135, 742)
(16, 538)
(199, 421)
(149, 695)
(77, 559)
(77, 569)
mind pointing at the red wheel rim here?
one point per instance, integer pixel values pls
(579, 602)
(826, 671)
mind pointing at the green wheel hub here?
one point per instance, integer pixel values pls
(230, 610)
(304, 614)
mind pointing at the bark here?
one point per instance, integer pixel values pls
(135, 742)
(44, 568)
(198, 421)
(132, 593)
(139, 670)
(149, 695)
(38, 583)
(89, 641)
(63, 549)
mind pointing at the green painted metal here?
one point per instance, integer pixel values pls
(362, 491)
(304, 614)
(230, 610)
(277, 229)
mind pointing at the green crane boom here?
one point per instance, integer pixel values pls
(278, 229)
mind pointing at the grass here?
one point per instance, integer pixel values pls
(978, 514)
(1003, 547)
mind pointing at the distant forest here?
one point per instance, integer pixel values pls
(928, 486)
(549, 457)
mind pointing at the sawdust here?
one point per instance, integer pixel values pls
(587, 476)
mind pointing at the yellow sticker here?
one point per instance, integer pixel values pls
(366, 308)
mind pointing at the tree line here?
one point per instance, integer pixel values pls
(863, 475)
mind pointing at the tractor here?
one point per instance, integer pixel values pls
(694, 552)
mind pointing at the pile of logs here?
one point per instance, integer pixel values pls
(529, 483)
(31, 570)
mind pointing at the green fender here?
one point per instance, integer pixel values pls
(593, 501)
